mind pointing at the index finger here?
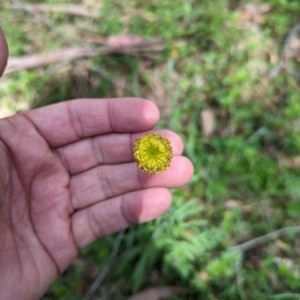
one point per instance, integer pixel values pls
(67, 122)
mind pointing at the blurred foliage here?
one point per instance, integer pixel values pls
(219, 55)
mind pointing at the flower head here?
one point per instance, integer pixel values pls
(153, 153)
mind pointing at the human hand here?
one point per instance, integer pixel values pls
(67, 177)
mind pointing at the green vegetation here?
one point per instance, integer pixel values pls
(223, 58)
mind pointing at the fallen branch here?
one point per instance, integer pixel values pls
(266, 238)
(72, 9)
(35, 61)
(71, 54)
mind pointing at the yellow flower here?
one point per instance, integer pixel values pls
(153, 153)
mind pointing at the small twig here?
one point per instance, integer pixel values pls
(240, 278)
(41, 18)
(108, 77)
(159, 292)
(87, 266)
(154, 45)
(286, 53)
(286, 296)
(266, 238)
(94, 287)
(275, 70)
(111, 291)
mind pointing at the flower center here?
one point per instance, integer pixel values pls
(154, 150)
(153, 153)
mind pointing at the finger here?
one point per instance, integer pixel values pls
(106, 182)
(3, 52)
(67, 122)
(107, 149)
(118, 213)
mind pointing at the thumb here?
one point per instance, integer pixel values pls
(3, 52)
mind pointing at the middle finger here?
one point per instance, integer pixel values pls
(106, 149)
(109, 181)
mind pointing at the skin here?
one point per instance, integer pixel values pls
(3, 52)
(67, 178)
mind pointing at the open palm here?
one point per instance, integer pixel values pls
(67, 177)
